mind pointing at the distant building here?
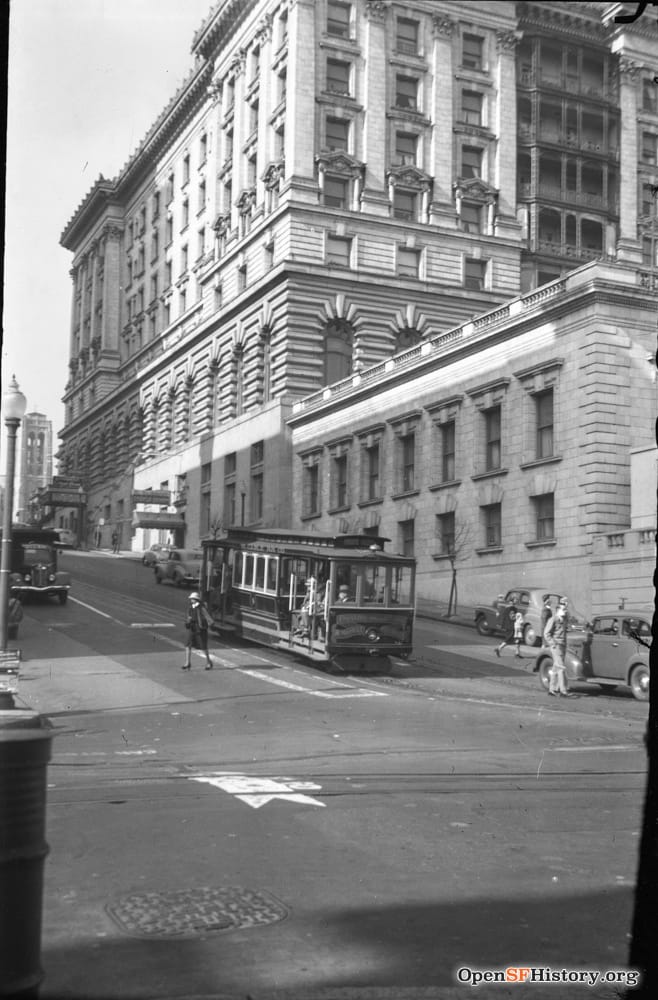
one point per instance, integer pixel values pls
(35, 466)
(335, 183)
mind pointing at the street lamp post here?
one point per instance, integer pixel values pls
(14, 405)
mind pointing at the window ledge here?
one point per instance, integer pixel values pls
(541, 543)
(369, 503)
(489, 474)
(339, 510)
(445, 485)
(490, 548)
(540, 461)
(403, 496)
(311, 517)
(436, 556)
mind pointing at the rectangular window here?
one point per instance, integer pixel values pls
(339, 481)
(471, 107)
(183, 259)
(230, 464)
(471, 217)
(406, 537)
(311, 497)
(338, 19)
(256, 497)
(406, 145)
(338, 131)
(649, 96)
(229, 503)
(168, 270)
(201, 240)
(649, 200)
(491, 521)
(471, 161)
(338, 77)
(406, 37)
(203, 148)
(445, 532)
(185, 215)
(472, 46)
(406, 92)
(257, 455)
(155, 246)
(492, 441)
(544, 418)
(407, 462)
(408, 263)
(648, 148)
(405, 205)
(475, 272)
(155, 206)
(545, 516)
(448, 452)
(335, 192)
(170, 189)
(169, 230)
(202, 196)
(339, 250)
(242, 278)
(372, 472)
(186, 168)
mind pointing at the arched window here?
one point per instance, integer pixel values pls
(339, 339)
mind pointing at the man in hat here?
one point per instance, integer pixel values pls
(555, 637)
(344, 594)
(196, 623)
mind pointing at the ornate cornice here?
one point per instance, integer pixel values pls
(376, 10)
(340, 163)
(506, 41)
(629, 68)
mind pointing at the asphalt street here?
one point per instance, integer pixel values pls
(267, 829)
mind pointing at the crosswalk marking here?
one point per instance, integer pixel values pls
(344, 692)
(255, 791)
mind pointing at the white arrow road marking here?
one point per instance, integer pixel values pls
(345, 692)
(257, 792)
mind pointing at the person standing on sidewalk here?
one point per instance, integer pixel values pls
(115, 542)
(508, 624)
(546, 615)
(555, 637)
(197, 621)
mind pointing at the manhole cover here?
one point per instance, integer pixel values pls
(190, 912)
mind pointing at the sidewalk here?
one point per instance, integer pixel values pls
(438, 611)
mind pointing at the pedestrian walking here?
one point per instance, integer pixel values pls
(555, 635)
(509, 626)
(546, 615)
(197, 621)
(518, 633)
(115, 541)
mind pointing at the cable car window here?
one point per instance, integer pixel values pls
(272, 572)
(259, 580)
(248, 575)
(401, 585)
(297, 568)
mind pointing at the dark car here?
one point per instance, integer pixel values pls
(493, 619)
(156, 553)
(34, 571)
(613, 650)
(182, 567)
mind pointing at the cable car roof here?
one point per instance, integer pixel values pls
(355, 546)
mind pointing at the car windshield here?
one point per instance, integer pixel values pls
(33, 554)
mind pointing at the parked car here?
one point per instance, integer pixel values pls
(492, 619)
(156, 553)
(34, 571)
(182, 567)
(613, 650)
(67, 539)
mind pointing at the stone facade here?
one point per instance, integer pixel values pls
(334, 183)
(506, 440)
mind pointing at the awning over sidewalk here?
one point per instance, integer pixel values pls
(157, 519)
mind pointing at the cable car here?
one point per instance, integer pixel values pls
(338, 600)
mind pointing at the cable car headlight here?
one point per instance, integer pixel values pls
(372, 635)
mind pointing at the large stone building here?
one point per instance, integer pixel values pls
(35, 468)
(334, 183)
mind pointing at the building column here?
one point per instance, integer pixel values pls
(74, 275)
(629, 248)
(299, 178)
(374, 197)
(266, 98)
(442, 207)
(94, 294)
(111, 290)
(240, 129)
(505, 129)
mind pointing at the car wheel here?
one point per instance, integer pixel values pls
(530, 637)
(63, 597)
(545, 667)
(639, 682)
(481, 625)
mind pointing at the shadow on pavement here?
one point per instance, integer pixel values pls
(412, 945)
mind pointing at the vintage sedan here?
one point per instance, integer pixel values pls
(613, 650)
(492, 619)
(182, 568)
(156, 553)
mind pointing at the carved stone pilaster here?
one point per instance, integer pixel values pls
(376, 10)
(506, 41)
(239, 64)
(442, 27)
(629, 69)
(214, 92)
(264, 30)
